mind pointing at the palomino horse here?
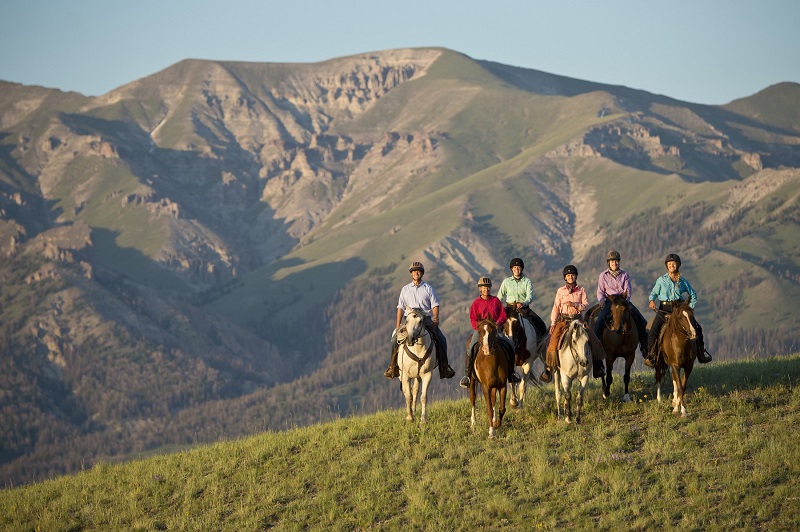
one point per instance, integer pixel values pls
(527, 348)
(679, 349)
(416, 358)
(574, 362)
(620, 338)
(491, 370)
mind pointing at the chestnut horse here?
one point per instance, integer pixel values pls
(416, 358)
(527, 348)
(574, 362)
(491, 370)
(620, 338)
(679, 349)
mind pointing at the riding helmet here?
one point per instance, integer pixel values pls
(569, 268)
(416, 266)
(672, 256)
(516, 261)
(612, 255)
(484, 281)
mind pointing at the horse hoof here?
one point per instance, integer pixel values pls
(605, 395)
(626, 398)
(568, 421)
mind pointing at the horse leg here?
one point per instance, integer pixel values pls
(409, 401)
(566, 383)
(676, 376)
(423, 396)
(583, 381)
(627, 377)
(659, 375)
(488, 395)
(684, 383)
(608, 379)
(502, 407)
(472, 396)
(526, 374)
(514, 388)
(557, 385)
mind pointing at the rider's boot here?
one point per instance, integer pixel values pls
(546, 375)
(393, 370)
(703, 356)
(513, 376)
(467, 369)
(652, 356)
(445, 371)
(598, 369)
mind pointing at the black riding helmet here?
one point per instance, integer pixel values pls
(516, 261)
(672, 256)
(569, 268)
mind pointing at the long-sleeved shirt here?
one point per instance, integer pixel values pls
(666, 289)
(611, 285)
(513, 290)
(490, 307)
(564, 295)
(421, 296)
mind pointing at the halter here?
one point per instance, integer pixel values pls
(572, 350)
(626, 313)
(678, 327)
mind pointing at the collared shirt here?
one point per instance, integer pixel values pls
(666, 289)
(490, 307)
(610, 285)
(419, 296)
(564, 295)
(514, 290)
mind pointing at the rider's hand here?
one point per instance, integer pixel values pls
(652, 305)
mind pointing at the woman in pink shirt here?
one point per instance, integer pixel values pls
(569, 304)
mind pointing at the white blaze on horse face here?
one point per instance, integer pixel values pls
(485, 341)
(692, 332)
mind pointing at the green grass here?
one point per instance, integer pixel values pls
(732, 464)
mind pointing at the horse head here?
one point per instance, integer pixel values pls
(415, 324)
(487, 335)
(620, 315)
(681, 319)
(578, 340)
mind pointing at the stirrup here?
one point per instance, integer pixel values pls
(392, 372)
(546, 375)
(464, 382)
(514, 378)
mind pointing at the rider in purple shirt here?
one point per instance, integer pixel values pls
(614, 281)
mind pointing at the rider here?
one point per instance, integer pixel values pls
(614, 281)
(418, 294)
(668, 289)
(517, 291)
(485, 306)
(570, 301)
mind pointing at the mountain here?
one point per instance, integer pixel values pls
(216, 249)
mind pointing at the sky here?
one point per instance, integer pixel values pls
(700, 51)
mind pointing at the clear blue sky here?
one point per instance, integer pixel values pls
(702, 51)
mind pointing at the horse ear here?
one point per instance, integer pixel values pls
(625, 294)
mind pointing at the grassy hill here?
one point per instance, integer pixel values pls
(732, 464)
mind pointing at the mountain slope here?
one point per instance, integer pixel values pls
(188, 251)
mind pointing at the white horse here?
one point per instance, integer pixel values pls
(417, 359)
(575, 362)
(516, 328)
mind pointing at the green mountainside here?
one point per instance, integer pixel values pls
(216, 249)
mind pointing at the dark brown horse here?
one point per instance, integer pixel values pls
(679, 349)
(620, 338)
(491, 370)
(523, 338)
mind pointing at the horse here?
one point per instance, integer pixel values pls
(491, 370)
(527, 349)
(620, 337)
(678, 345)
(574, 362)
(417, 359)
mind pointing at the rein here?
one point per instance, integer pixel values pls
(675, 327)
